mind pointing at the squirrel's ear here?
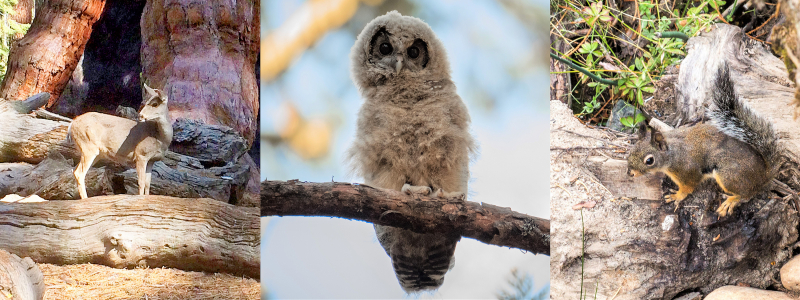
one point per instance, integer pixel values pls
(642, 131)
(658, 141)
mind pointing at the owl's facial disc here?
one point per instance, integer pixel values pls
(395, 53)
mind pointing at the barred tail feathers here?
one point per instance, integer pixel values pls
(420, 261)
(734, 118)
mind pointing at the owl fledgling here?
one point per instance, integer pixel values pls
(412, 135)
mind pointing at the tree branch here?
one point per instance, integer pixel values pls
(487, 223)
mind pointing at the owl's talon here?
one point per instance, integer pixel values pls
(416, 189)
(457, 195)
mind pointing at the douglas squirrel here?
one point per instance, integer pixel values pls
(739, 151)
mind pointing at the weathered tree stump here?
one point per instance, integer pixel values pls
(127, 231)
(639, 247)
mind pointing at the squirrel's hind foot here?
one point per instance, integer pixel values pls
(726, 208)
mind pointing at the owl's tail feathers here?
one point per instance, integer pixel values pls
(426, 272)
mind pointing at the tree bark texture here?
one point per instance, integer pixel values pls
(637, 246)
(487, 223)
(44, 59)
(784, 42)
(204, 53)
(126, 231)
(20, 278)
(23, 12)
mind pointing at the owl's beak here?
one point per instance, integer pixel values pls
(398, 65)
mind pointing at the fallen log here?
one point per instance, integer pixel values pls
(487, 223)
(222, 174)
(20, 279)
(127, 231)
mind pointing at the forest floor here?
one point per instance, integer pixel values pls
(90, 281)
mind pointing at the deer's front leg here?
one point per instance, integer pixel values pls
(148, 177)
(141, 173)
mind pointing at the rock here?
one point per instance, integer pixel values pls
(790, 274)
(690, 296)
(730, 292)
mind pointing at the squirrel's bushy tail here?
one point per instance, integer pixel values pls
(734, 118)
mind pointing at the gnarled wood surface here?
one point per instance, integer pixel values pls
(487, 223)
(127, 231)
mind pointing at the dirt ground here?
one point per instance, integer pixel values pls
(89, 281)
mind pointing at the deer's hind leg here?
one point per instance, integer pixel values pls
(87, 159)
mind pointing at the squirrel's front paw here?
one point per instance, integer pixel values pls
(677, 197)
(416, 189)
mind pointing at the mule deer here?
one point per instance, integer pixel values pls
(124, 141)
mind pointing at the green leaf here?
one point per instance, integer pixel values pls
(627, 121)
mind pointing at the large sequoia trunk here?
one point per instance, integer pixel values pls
(205, 52)
(44, 59)
(639, 247)
(127, 231)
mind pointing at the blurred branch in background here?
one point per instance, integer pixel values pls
(308, 24)
(309, 138)
(484, 222)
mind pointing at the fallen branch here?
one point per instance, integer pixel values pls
(20, 278)
(126, 231)
(487, 223)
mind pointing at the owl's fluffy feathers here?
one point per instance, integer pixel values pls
(413, 128)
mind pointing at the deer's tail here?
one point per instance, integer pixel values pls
(68, 140)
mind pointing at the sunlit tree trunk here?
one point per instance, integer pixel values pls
(205, 53)
(23, 13)
(44, 59)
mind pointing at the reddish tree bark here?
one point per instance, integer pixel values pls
(23, 13)
(44, 59)
(205, 53)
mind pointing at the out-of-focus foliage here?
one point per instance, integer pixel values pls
(521, 288)
(8, 30)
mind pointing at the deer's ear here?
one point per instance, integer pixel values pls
(161, 94)
(149, 90)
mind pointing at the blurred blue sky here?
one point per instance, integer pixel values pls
(499, 66)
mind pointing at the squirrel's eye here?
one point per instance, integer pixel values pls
(385, 48)
(649, 160)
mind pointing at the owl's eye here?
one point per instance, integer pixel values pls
(385, 48)
(413, 52)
